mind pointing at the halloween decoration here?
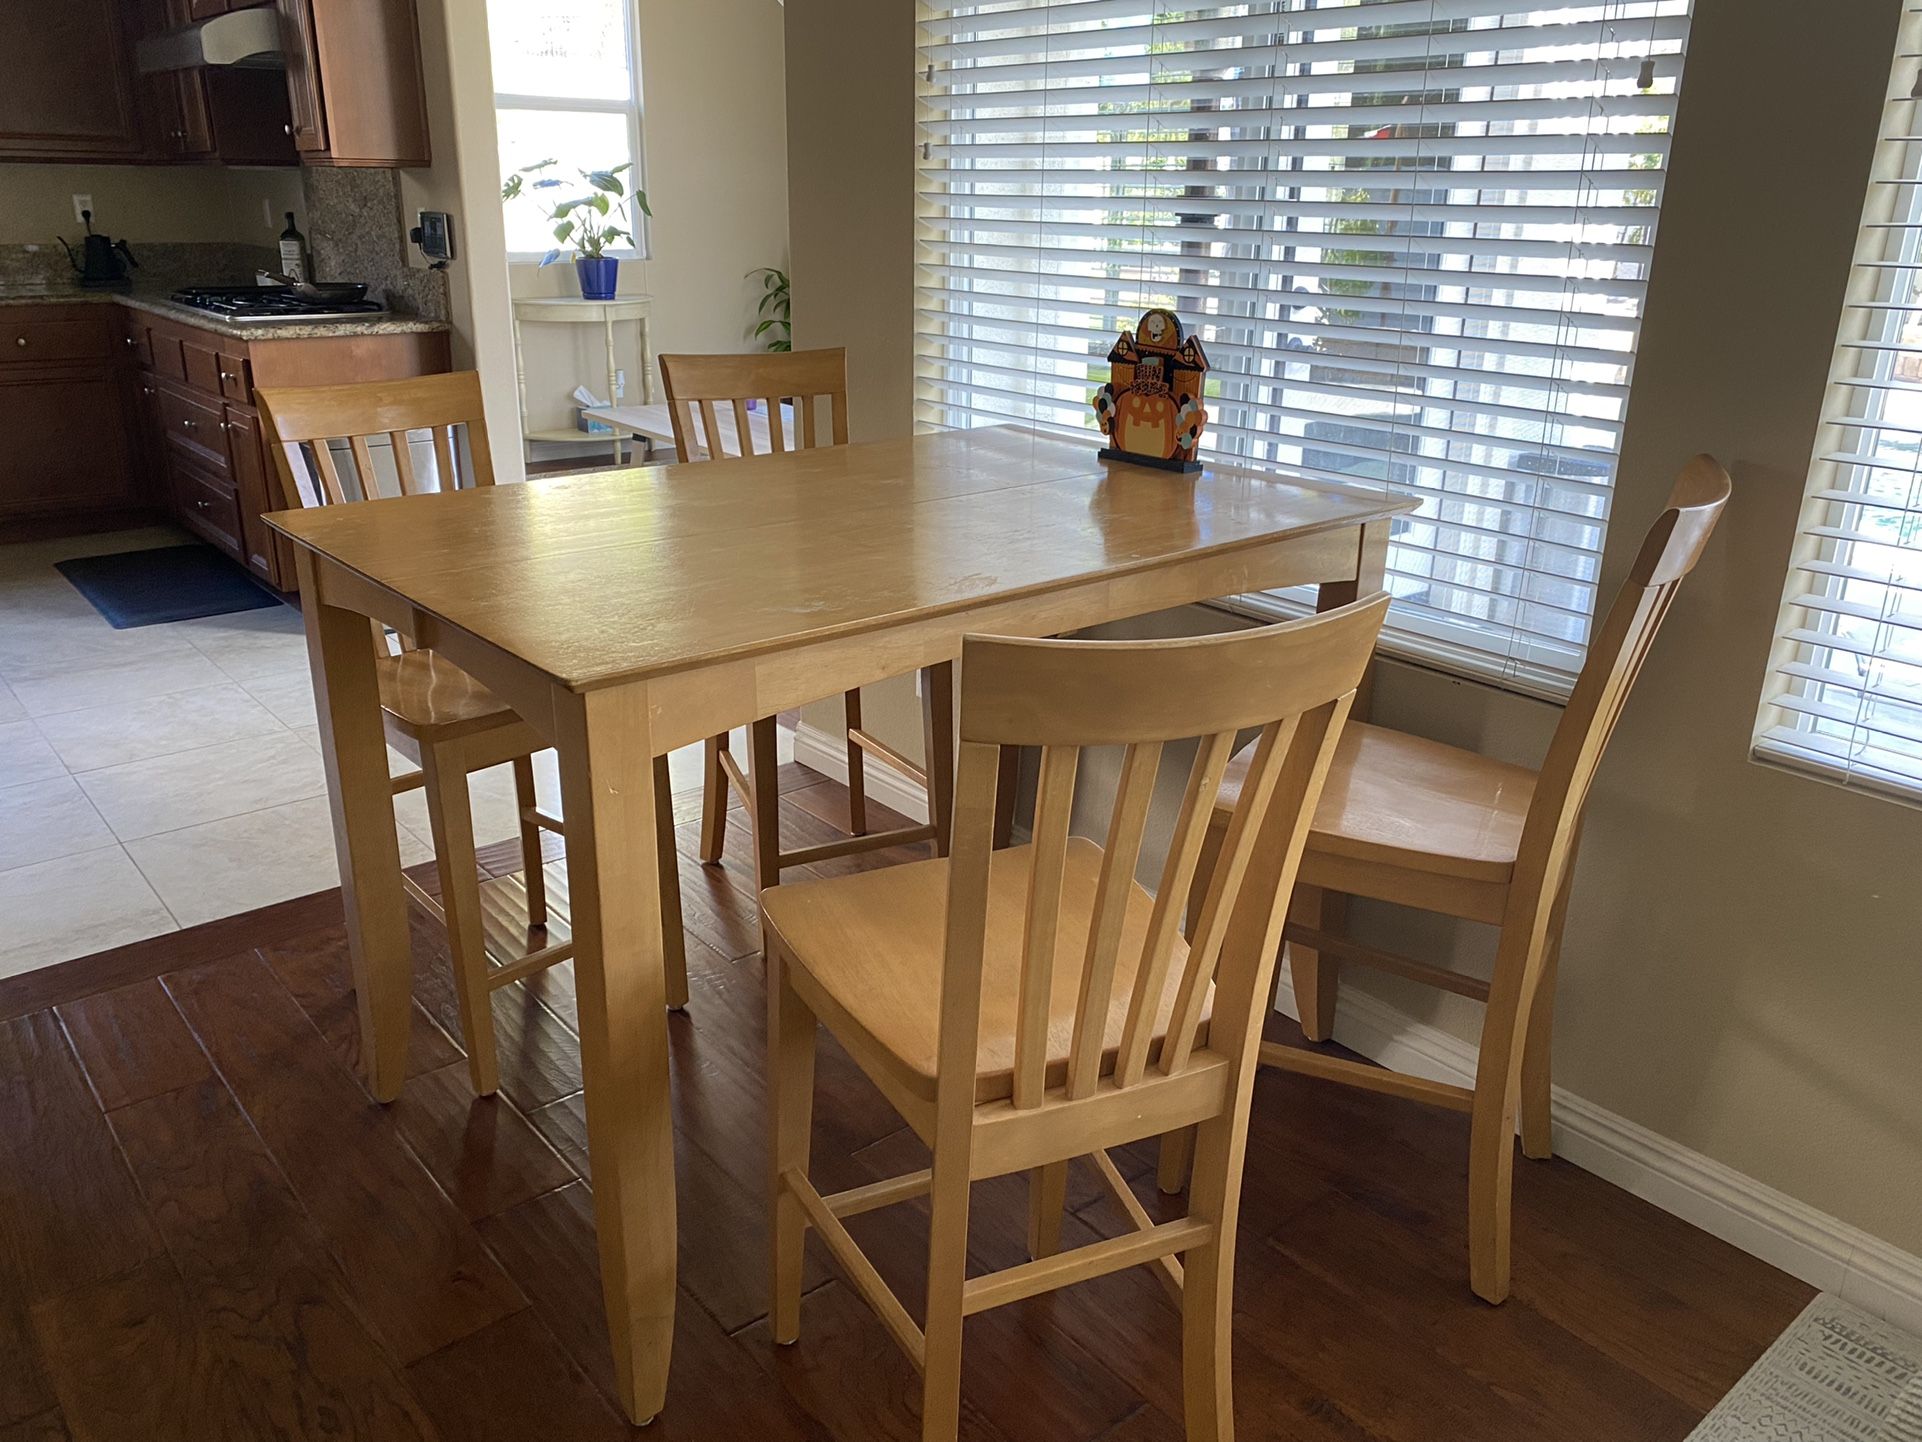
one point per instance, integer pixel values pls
(1151, 408)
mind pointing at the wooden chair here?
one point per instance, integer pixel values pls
(695, 384)
(1026, 1006)
(1429, 826)
(437, 715)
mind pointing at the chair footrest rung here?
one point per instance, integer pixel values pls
(849, 845)
(887, 755)
(428, 902)
(534, 816)
(527, 965)
(1167, 1270)
(1367, 1078)
(737, 778)
(875, 1195)
(859, 1269)
(1096, 1259)
(1343, 949)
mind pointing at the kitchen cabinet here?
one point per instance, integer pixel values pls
(67, 83)
(354, 82)
(236, 116)
(63, 413)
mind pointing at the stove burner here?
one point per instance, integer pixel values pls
(244, 303)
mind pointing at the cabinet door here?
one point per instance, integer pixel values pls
(304, 96)
(66, 82)
(66, 446)
(250, 487)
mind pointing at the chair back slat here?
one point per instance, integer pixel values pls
(404, 463)
(1302, 674)
(1113, 890)
(1616, 655)
(1053, 811)
(696, 383)
(1164, 925)
(444, 455)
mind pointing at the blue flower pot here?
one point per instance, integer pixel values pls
(599, 274)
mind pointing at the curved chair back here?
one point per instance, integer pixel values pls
(785, 386)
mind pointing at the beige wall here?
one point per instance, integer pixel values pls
(850, 160)
(1743, 969)
(146, 202)
(713, 121)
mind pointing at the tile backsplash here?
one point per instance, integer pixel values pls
(163, 265)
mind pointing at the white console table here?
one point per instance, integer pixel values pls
(575, 310)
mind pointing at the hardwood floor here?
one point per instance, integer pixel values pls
(207, 1229)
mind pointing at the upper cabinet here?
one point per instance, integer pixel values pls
(350, 94)
(354, 82)
(66, 83)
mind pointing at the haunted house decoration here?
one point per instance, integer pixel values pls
(1151, 408)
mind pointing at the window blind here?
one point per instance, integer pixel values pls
(1413, 236)
(1844, 696)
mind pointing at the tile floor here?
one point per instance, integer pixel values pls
(163, 776)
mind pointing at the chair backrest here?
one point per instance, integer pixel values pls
(1294, 681)
(302, 421)
(695, 383)
(1615, 658)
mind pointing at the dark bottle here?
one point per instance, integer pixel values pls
(295, 261)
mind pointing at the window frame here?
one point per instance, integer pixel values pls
(631, 107)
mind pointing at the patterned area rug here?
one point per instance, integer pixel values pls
(1837, 1374)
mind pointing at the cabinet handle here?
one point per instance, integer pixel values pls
(227, 376)
(20, 341)
(202, 505)
(226, 425)
(129, 341)
(287, 130)
(146, 390)
(190, 425)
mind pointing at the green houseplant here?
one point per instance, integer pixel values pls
(584, 225)
(772, 313)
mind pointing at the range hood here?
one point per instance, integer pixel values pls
(249, 38)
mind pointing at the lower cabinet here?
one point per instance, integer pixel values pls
(67, 446)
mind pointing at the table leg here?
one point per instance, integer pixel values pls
(353, 747)
(608, 786)
(937, 749)
(1371, 575)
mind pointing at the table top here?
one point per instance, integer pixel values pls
(621, 575)
(580, 308)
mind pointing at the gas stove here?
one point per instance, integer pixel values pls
(263, 304)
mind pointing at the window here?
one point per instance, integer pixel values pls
(1413, 236)
(566, 88)
(1844, 695)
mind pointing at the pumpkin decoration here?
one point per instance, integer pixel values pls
(1151, 410)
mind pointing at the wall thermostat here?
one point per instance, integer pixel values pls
(435, 237)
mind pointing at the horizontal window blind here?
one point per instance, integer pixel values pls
(1413, 236)
(1844, 696)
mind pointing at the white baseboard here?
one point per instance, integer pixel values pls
(826, 752)
(1819, 1249)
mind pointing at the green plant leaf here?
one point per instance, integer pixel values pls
(564, 231)
(511, 188)
(599, 202)
(640, 199)
(605, 180)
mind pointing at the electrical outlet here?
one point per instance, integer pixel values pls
(81, 202)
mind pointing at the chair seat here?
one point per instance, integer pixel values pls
(1405, 801)
(430, 698)
(867, 953)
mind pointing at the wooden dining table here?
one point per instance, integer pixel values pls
(627, 613)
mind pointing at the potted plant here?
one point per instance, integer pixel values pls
(772, 313)
(585, 225)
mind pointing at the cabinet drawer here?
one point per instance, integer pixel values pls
(236, 377)
(208, 506)
(136, 339)
(164, 348)
(202, 365)
(196, 425)
(43, 339)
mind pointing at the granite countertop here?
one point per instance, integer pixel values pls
(157, 303)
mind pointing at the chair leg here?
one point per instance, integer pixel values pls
(790, 1040)
(947, 1272)
(937, 749)
(450, 813)
(1177, 1153)
(857, 767)
(673, 933)
(1208, 1280)
(1316, 977)
(1491, 1133)
(764, 800)
(714, 799)
(526, 797)
(1538, 1139)
(1047, 1198)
